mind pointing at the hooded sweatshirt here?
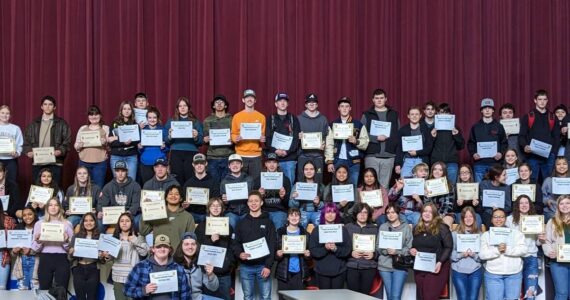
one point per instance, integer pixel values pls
(238, 207)
(127, 194)
(309, 124)
(198, 279)
(384, 259)
(253, 228)
(154, 184)
(174, 226)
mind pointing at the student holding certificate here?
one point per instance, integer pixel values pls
(362, 264)
(525, 178)
(183, 149)
(121, 191)
(237, 208)
(310, 210)
(291, 268)
(215, 209)
(126, 151)
(431, 235)
(447, 144)
(24, 257)
(507, 115)
(141, 104)
(6, 223)
(466, 268)
(370, 183)
(330, 258)
(511, 159)
(82, 187)
(445, 203)
(494, 183)
(142, 282)
(522, 208)
(178, 220)
(14, 136)
(466, 176)
(420, 151)
(548, 188)
(344, 206)
(11, 191)
(45, 180)
(558, 235)
(202, 179)
(275, 201)
(199, 278)
(93, 152)
(393, 277)
(149, 154)
(503, 262)
(217, 127)
(54, 264)
(312, 122)
(410, 206)
(85, 270)
(255, 273)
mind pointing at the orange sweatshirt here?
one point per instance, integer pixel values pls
(247, 148)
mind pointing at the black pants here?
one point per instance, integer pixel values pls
(331, 282)
(252, 167)
(181, 165)
(86, 281)
(294, 282)
(145, 173)
(53, 266)
(360, 280)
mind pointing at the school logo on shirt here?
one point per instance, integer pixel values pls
(262, 226)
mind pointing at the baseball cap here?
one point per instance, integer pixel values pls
(281, 96)
(161, 161)
(120, 165)
(271, 156)
(199, 158)
(162, 240)
(235, 157)
(249, 92)
(311, 98)
(487, 102)
(189, 235)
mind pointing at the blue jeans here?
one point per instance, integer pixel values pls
(26, 282)
(198, 218)
(234, 219)
(561, 278)
(467, 285)
(530, 276)
(541, 165)
(394, 283)
(249, 276)
(452, 171)
(289, 169)
(132, 164)
(412, 217)
(313, 217)
(217, 168)
(97, 171)
(223, 291)
(353, 169)
(480, 169)
(279, 218)
(408, 166)
(4, 275)
(499, 287)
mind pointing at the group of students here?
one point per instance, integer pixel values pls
(535, 154)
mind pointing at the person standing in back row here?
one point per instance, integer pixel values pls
(312, 121)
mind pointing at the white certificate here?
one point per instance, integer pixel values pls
(437, 187)
(414, 186)
(51, 232)
(237, 191)
(341, 131)
(111, 214)
(412, 143)
(212, 255)
(444, 122)
(153, 210)
(140, 115)
(425, 261)
(80, 205)
(540, 148)
(330, 233)
(40, 195)
(281, 141)
(524, 189)
(152, 196)
(512, 126)
(294, 244)
(181, 130)
(151, 137)
(512, 175)
(86, 248)
(343, 192)
(5, 201)
(468, 242)
(90, 138)
(197, 196)
(44, 155)
(19, 238)
(378, 128)
(561, 185)
(7, 145)
(363, 242)
(373, 198)
(217, 225)
(493, 198)
(533, 224)
(272, 180)
(306, 191)
(500, 235)
(312, 140)
(2, 239)
(563, 253)
(129, 132)
(467, 191)
(250, 131)
(166, 281)
(390, 240)
(487, 149)
(256, 249)
(220, 137)
(107, 243)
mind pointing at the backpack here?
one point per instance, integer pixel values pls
(531, 118)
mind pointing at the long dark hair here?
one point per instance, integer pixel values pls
(1, 216)
(376, 185)
(83, 231)
(336, 181)
(180, 257)
(132, 231)
(517, 210)
(52, 184)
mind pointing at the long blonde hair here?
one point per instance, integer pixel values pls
(433, 227)
(60, 213)
(462, 228)
(558, 221)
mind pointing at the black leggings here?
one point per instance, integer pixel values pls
(53, 266)
(331, 282)
(86, 281)
(181, 164)
(360, 280)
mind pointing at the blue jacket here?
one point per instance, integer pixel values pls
(140, 277)
(149, 154)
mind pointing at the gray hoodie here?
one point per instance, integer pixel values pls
(154, 185)
(461, 264)
(197, 279)
(384, 259)
(127, 194)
